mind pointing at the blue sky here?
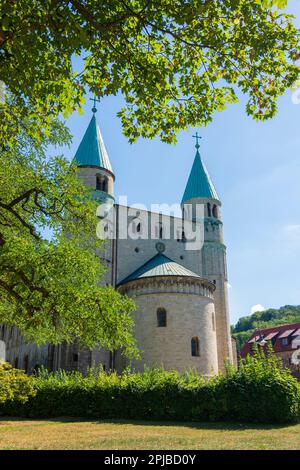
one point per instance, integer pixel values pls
(256, 170)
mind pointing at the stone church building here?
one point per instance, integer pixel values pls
(180, 289)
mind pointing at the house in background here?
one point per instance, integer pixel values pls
(285, 340)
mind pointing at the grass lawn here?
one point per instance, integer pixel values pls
(64, 433)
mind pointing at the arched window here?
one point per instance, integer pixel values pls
(138, 227)
(161, 315)
(195, 346)
(98, 183)
(105, 185)
(180, 235)
(101, 183)
(160, 231)
(208, 210)
(26, 364)
(75, 357)
(215, 211)
(36, 369)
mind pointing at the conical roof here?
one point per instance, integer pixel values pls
(199, 182)
(92, 151)
(159, 265)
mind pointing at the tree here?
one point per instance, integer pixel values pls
(266, 319)
(175, 62)
(49, 286)
(277, 3)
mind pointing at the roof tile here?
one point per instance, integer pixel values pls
(159, 265)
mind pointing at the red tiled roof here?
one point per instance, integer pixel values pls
(276, 334)
(286, 333)
(270, 335)
(255, 338)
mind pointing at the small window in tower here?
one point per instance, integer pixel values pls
(98, 183)
(160, 232)
(101, 183)
(138, 227)
(215, 211)
(208, 210)
(161, 317)
(195, 346)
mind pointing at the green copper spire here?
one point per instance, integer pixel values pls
(92, 151)
(199, 183)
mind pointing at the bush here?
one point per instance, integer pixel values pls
(260, 391)
(15, 386)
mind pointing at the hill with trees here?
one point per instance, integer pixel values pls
(266, 319)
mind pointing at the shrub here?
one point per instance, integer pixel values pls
(15, 385)
(260, 391)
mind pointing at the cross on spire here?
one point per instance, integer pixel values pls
(95, 100)
(197, 137)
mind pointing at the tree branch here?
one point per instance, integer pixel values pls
(88, 16)
(10, 289)
(23, 222)
(29, 284)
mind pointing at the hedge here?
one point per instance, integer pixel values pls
(261, 391)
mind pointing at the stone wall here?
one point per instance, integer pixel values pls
(131, 253)
(190, 313)
(21, 354)
(88, 176)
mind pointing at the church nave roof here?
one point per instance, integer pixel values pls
(159, 265)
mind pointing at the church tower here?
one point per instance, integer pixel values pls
(96, 172)
(201, 190)
(92, 159)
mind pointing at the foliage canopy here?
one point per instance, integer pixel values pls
(175, 62)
